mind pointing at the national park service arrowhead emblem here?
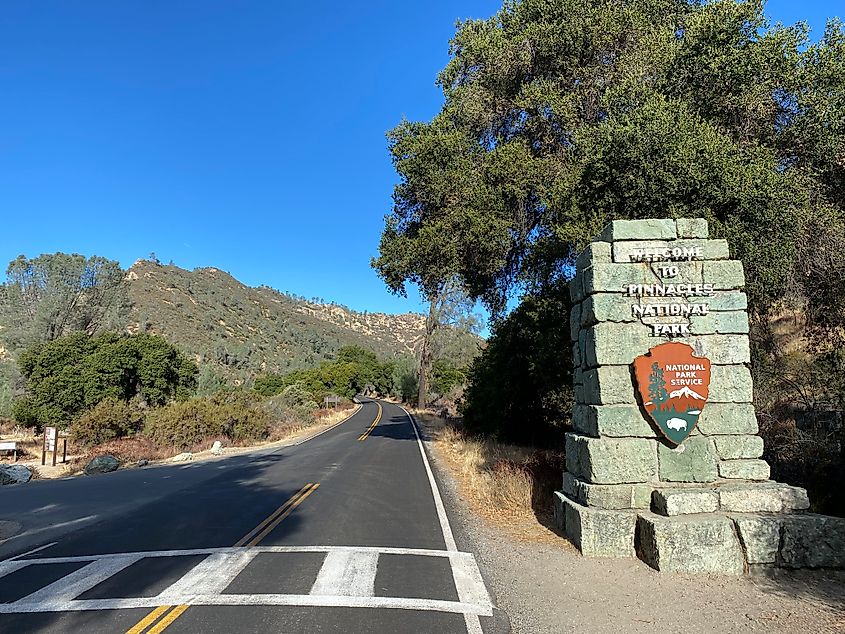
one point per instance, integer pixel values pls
(674, 386)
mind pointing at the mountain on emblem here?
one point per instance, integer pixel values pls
(674, 386)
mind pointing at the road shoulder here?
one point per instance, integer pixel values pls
(546, 586)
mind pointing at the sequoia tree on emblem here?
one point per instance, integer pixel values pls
(674, 386)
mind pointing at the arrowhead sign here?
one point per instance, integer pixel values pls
(674, 386)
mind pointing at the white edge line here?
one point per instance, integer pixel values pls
(234, 549)
(471, 620)
(448, 537)
(306, 600)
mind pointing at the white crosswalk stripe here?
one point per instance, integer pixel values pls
(348, 574)
(345, 579)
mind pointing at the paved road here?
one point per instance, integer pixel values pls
(343, 533)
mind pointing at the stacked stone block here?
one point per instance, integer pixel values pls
(707, 505)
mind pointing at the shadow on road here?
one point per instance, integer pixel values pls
(216, 511)
(396, 428)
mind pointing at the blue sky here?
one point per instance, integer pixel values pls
(246, 135)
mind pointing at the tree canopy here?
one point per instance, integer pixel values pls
(560, 116)
(71, 374)
(57, 294)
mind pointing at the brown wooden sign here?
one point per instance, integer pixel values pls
(674, 386)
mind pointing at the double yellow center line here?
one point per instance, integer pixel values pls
(153, 616)
(373, 426)
(160, 618)
(263, 529)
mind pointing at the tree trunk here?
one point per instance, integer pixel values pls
(431, 323)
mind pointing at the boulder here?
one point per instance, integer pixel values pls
(217, 448)
(102, 464)
(143, 463)
(762, 497)
(183, 457)
(15, 474)
(760, 535)
(611, 460)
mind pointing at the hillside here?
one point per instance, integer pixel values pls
(245, 330)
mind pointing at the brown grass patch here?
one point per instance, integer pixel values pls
(126, 450)
(507, 485)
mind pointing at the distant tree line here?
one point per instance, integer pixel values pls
(354, 369)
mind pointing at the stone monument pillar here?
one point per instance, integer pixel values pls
(664, 461)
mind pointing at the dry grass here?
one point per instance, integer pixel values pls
(322, 418)
(507, 485)
(126, 450)
(129, 450)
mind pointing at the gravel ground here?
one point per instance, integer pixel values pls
(546, 586)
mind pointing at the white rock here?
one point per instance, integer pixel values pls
(217, 448)
(183, 457)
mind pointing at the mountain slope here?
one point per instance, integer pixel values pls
(244, 330)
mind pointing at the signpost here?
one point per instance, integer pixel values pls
(51, 437)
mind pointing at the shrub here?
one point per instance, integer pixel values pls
(109, 419)
(69, 375)
(26, 413)
(269, 384)
(293, 408)
(445, 376)
(126, 450)
(520, 387)
(297, 399)
(183, 424)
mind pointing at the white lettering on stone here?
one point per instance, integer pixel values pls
(659, 330)
(670, 290)
(658, 254)
(669, 310)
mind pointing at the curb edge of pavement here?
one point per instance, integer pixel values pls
(500, 622)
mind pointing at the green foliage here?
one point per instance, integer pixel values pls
(357, 354)
(9, 377)
(209, 381)
(445, 376)
(183, 424)
(270, 384)
(520, 387)
(353, 370)
(109, 419)
(405, 379)
(54, 295)
(560, 116)
(294, 405)
(73, 373)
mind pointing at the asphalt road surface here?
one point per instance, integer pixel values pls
(343, 533)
